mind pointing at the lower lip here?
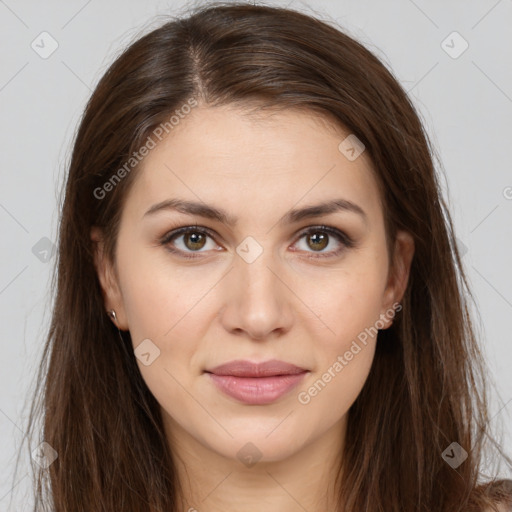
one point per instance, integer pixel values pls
(257, 390)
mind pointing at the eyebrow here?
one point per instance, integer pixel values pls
(296, 215)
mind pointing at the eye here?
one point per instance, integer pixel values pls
(190, 238)
(320, 237)
(193, 239)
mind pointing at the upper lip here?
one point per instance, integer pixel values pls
(240, 368)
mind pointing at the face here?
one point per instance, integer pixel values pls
(259, 276)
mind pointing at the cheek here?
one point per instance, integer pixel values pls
(347, 302)
(163, 306)
(329, 394)
(345, 347)
(158, 297)
(349, 305)
(173, 308)
(351, 308)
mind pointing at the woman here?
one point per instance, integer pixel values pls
(259, 298)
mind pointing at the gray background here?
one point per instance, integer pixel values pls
(465, 103)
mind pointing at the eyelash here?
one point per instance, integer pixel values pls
(344, 239)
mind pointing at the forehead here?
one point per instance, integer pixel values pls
(260, 162)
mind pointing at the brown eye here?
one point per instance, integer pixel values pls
(189, 240)
(317, 240)
(194, 240)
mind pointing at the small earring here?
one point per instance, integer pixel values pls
(112, 314)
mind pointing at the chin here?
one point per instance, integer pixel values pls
(258, 445)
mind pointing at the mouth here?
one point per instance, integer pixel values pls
(256, 383)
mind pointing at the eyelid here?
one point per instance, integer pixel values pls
(338, 233)
(175, 232)
(346, 241)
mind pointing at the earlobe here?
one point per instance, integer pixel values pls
(112, 297)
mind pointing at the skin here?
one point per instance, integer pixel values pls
(218, 307)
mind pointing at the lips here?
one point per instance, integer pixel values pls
(247, 369)
(256, 383)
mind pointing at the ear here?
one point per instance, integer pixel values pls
(105, 270)
(398, 275)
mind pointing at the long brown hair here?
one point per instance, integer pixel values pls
(427, 386)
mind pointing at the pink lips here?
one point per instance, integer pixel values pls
(256, 383)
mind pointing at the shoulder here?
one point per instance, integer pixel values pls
(500, 507)
(501, 491)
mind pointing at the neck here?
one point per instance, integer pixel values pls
(211, 482)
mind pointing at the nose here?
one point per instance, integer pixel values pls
(258, 303)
